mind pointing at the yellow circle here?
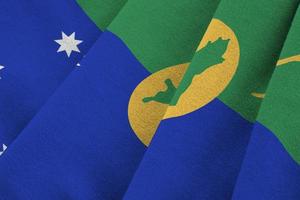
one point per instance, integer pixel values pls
(144, 118)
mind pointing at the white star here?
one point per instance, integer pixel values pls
(4, 147)
(1, 67)
(68, 43)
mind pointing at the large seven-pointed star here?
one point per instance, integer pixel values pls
(68, 43)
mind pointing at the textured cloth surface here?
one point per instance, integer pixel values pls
(139, 99)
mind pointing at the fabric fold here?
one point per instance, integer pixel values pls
(42, 42)
(271, 167)
(81, 145)
(202, 138)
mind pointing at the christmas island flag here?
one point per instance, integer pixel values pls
(271, 168)
(81, 145)
(205, 119)
(41, 43)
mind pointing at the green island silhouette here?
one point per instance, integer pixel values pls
(163, 96)
(208, 56)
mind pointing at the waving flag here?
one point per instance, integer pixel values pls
(81, 141)
(146, 100)
(271, 168)
(207, 117)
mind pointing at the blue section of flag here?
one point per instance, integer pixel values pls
(268, 171)
(195, 156)
(33, 68)
(80, 145)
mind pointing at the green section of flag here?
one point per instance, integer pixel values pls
(163, 33)
(209, 56)
(280, 111)
(261, 28)
(291, 46)
(102, 12)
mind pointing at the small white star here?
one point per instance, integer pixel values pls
(78, 64)
(1, 67)
(4, 147)
(68, 43)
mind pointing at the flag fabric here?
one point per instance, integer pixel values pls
(81, 140)
(41, 42)
(200, 144)
(44, 42)
(270, 168)
(138, 99)
(102, 12)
